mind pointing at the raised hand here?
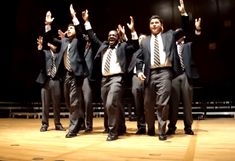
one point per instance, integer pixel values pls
(121, 29)
(85, 15)
(122, 33)
(131, 24)
(40, 42)
(72, 11)
(48, 18)
(182, 8)
(61, 34)
(198, 24)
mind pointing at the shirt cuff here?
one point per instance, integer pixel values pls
(75, 21)
(39, 47)
(87, 25)
(184, 14)
(134, 36)
(47, 28)
(198, 32)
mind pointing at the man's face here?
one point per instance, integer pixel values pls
(155, 26)
(113, 38)
(71, 32)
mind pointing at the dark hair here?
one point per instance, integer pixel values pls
(156, 17)
(71, 24)
(179, 33)
(55, 43)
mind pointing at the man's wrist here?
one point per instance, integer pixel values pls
(184, 14)
(134, 35)
(198, 31)
(39, 47)
(87, 25)
(47, 27)
(75, 21)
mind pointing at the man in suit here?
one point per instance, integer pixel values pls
(89, 84)
(137, 89)
(50, 77)
(182, 87)
(159, 55)
(113, 51)
(72, 55)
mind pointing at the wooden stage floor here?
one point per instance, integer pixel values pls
(20, 140)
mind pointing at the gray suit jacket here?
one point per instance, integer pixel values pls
(170, 49)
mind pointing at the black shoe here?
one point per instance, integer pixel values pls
(43, 128)
(70, 135)
(88, 130)
(141, 131)
(189, 132)
(111, 138)
(60, 128)
(162, 137)
(170, 131)
(151, 132)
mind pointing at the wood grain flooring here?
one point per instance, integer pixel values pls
(20, 140)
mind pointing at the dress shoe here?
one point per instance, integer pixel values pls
(111, 138)
(162, 137)
(140, 131)
(189, 132)
(60, 128)
(70, 135)
(43, 128)
(151, 132)
(88, 130)
(170, 131)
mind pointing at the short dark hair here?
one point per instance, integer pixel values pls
(156, 17)
(71, 24)
(179, 33)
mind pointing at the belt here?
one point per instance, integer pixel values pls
(113, 75)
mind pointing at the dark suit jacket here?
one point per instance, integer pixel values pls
(123, 49)
(76, 51)
(189, 64)
(192, 42)
(89, 58)
(45, 56)
(133, 61)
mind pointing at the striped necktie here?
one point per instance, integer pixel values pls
(67, 59)
(156, 53)
(53, 67)
(180, 52)
(107, 62)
